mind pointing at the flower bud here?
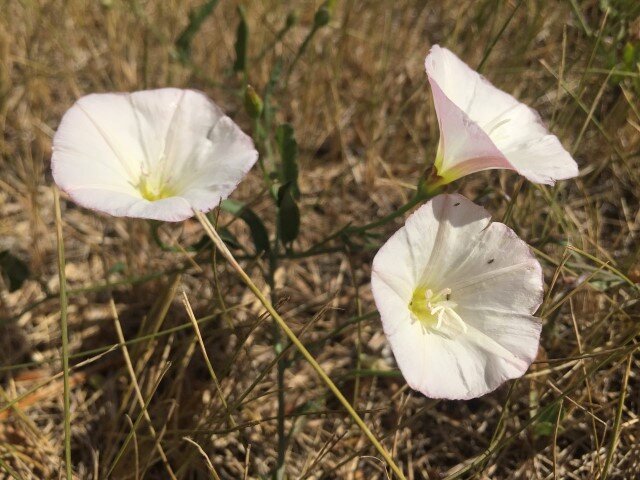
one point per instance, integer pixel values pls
(321, 17)
(253, 102)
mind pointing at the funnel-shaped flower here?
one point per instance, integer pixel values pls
(456, 295)
(482, 127)
(154, 154)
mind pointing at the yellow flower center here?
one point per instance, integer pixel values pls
(445, 175)
(154, 190)
(436, 310)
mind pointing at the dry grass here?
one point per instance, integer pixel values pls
(362, 113)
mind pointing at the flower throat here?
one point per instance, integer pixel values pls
(436, 310)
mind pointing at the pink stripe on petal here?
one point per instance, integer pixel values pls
(464, 147)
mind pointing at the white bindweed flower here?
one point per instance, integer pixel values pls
(482, 127)
(456, 295)
(154, 154)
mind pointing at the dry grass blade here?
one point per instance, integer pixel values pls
(617, 424)
(212, 470)
(143, 414)
(138, 392)
(203, 350)
(65, 336)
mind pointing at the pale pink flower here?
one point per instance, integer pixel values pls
(482, 127)
(154, 154)
(456, 295)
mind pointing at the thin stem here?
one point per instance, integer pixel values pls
(605, 265)
(282, 437)
(497, 37)
(210, 231)
(302, 49)
(618, 419)
(356, 387)
(384, 220)
(65, 335)
(279, 36)
(210, 466)
(277, 346)
(156, 238)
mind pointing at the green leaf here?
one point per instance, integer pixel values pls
(258, 231)
(197, 16)
(274, 78)
(630, 56)
(546, 422)
(117, 267)
(229, 238)
(14, 270)
(242, 40)
(288, 215)
(288, 148)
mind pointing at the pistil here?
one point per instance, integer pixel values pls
(436, 310)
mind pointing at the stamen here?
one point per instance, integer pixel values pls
(440, 317)
(458, 319)
(436, 310)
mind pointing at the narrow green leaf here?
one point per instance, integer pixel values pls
(242, 40)
(258, 231)
(546, 422)
(229, 238)
(288, 148)
(14, 270)
(288, 215)
(197, 16)
(631, 55)
(274, 78)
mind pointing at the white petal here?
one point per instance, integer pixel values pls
(518, 334)
(393, 280)
(222, 161)
(543, 160)
(496, 348)
(433, 237)
(187, 117)
(500, 272)
(482, 127)
(90, 148)
(454, 223)
(493, 286)
(178, 140)
(442, 367)
(171, 209)
(97, 197)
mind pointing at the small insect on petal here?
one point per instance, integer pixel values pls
(459, 325)
(154, 154)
